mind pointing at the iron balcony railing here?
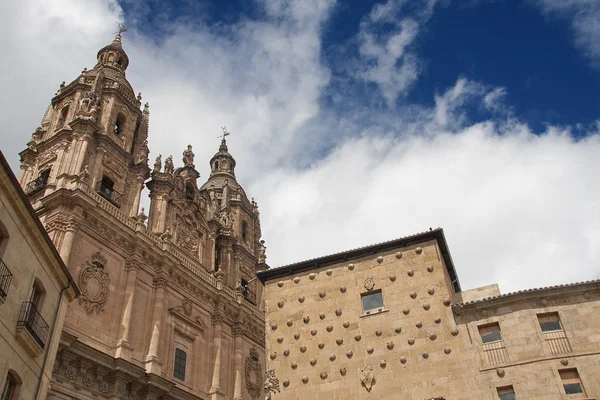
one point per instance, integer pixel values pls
(37, 184)
(249, 295)
(5, 280)
(32, 321)
(109, 194)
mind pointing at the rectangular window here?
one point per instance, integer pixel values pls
(506, 393)
(490, 333)
(179, 365)
(549, 322)
(372, 301)
(570, 380)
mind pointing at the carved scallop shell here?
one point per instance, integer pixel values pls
(418, 250)
(454, 331)
(305, 379)
(357, 337)
(419, 324)
(398, 330)
(343, 371)
(426, 307)
(280, 339)
(406, 311)
(393, 278)
(313, 361)
(313, 332)
(425, 355)
(273, 356)
(413, 295)
(350, 267)
(390, 345)
(280, 303)
(332, 357)
(301, 299)
(343, 289)
(302, 349)
(370, 349)
(290, 322)
(410, 272)
(382, 363)
(438, 320)
(321, 345)
(306, 319)
(411, 341)
(447, 350)
(398, 255)
(349, 354)
(433, 336)
(338, 312)
(286, 383)
(431, 291)
(378, 332)
(379, 259)
(322, 316)
(280, 283)
(329, 272)
(322, 294)
(294, 365)
(312, 276)
(329, 328)
(274, 327)
(296, 280)
(296, 336)
(430, 268)
(339, 341)
(403, 360)
(346, 324)
(323, 375)
(447, 302)
(286, 352)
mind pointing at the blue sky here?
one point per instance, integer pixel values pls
(356, 122)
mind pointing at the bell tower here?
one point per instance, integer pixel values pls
(94, 133)
(169, 306)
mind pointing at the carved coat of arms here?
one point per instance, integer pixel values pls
(93, 282)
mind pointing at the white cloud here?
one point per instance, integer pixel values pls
(509, 201)
(585, 22)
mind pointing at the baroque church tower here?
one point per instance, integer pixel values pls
(170, 307)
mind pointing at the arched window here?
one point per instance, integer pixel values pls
(119, 124)
(10, 391)
(216, 165)
(244, 231)
(189, 193)
(107, 188)
(63, 117)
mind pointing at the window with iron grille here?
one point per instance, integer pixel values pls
(10, 387)
(549, 322)
(490, 332)
(179, 364)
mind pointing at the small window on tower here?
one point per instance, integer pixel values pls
(106, 187)
(372, 301)
(63, 117)
(506, 393)
(189, 193)
(244, 231)
(119, 123)
(571, 381)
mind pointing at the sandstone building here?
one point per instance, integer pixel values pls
(168, 307)
(389, 321)
(35, 289)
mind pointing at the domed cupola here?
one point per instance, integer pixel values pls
(222, 163)
(113, 55)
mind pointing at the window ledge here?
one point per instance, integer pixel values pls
(374, 312)
(26, 340)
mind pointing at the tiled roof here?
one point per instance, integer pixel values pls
(527, 291)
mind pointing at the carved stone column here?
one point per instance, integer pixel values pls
(66, 245)
(153, 363)
(124, 348)
(238, 333)
(215, 387)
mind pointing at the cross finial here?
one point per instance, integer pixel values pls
(121, 29)
(225, 133)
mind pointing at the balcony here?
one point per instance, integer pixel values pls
(249, 295)
(5, 280)
(32, 330)
(36, 185)
(106, 190)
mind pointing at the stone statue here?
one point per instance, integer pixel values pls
(158, 163)
(87, 103)
(188, 157)
(271, 384)
(145, 150)
(262, 252)
(169, 165)
(139, 97)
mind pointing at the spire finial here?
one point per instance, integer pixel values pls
(121, 29)
(223, 146)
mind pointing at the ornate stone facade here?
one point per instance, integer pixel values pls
(169, 302)
(390, 321)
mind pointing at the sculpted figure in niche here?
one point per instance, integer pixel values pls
(169, 167)
(87, 102)
(158, 163)
(145, 149)
(188, 157)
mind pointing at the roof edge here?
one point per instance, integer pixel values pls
(307, 265)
